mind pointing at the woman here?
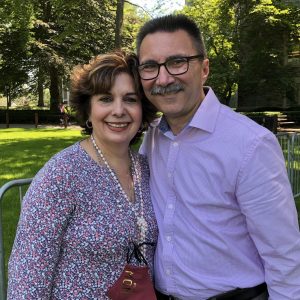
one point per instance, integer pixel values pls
(90, 202)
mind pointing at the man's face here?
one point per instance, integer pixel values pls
(177, 105)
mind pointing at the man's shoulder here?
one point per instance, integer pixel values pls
(240, 123)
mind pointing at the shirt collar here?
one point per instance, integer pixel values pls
(163, 125)
(205, 117)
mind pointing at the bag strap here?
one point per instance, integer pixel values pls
(136, 252)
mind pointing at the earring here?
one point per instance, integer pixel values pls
(88, 124)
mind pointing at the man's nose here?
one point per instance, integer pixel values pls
(164, 78)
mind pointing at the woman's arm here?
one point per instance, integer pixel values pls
(46, 210)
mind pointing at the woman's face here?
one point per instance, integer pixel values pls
(116, 115)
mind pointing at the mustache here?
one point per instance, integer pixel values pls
(162, 90)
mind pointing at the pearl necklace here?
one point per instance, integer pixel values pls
(141, 221)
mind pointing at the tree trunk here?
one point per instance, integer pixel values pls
(54, 88)
(40, 88)
(119, 23)
(228, 94)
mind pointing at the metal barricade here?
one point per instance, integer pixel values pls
(3, 189)
(290, 144)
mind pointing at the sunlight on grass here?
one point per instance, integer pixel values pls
(22, 153)
(25, 151)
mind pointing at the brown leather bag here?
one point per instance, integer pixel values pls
(135, 282)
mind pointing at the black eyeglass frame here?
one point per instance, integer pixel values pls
(188, 58)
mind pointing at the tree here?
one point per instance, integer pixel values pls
(216, 18)
(68, 33)
(14, 39)
(119, 23)
(267, 33)
(248, 42)
(134, 17)
(43, 40)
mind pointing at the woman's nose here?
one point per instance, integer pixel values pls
(118, 108)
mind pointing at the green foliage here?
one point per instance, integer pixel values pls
(14, 39)
(247, 44)
(42, 40)
(266, 35)
(87, 28)
(216, 19)
(134, 17)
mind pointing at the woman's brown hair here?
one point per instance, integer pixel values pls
(98, 77)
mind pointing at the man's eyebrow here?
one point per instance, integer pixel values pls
(176, 56)
(149, 61)
(152, 61)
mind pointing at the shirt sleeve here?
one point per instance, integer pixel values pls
(266, 200)
(45, 213)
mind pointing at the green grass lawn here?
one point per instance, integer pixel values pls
(22, 153)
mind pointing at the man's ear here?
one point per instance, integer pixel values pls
(205, 70)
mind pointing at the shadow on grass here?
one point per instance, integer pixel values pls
(24, 158)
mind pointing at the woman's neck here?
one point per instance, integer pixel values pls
(118, 161)
(116, 155)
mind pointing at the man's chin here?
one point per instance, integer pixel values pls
(171, 97)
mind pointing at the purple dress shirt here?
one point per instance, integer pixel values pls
(224, 207)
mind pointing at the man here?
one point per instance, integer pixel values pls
(226, 215)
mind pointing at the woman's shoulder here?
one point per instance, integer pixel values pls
(140, 157)
(70, 154)
(68, 159)
(142, 161)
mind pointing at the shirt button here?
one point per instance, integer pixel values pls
(168, 271)
(175, 144)
(170, 206)
(169, 238)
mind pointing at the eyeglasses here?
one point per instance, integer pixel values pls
(175, 66)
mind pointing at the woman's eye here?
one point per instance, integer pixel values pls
(105, 99)
(131, 99)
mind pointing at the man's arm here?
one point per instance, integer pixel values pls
(265, 197)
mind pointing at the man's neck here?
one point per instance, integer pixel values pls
(178, 123)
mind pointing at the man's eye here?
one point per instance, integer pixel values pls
(148, 67)
(176, 62)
